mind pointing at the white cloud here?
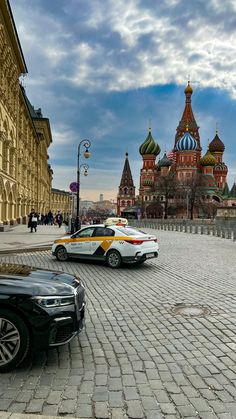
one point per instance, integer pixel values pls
(126, 45)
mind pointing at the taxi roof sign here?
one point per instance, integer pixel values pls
(116, 221)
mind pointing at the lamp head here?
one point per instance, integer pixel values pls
(86, 172)
(87, 154)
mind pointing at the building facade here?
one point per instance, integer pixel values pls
(25, 135)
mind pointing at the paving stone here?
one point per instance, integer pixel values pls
(117, 414)
(115, 399)
(18, 407)
(200, 405)
(167, 408)
(84, 410)
(149, 403)
(131, 393)
(100, 394)
(101, 410)
(187, 411)
(35, 406)
(135, 410)
(67, 406)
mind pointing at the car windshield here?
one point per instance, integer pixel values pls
(130, 231)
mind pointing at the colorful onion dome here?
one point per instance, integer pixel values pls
(186, 143)
(165, 162)
(149, 146)
(147, 182)
(188, 89)
(208, 159)
(216, 145)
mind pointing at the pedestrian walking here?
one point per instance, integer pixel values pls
(59, 219)
(33, 221)
(50, 218)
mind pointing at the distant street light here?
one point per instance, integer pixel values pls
(86, 144)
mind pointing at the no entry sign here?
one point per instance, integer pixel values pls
(74, 187)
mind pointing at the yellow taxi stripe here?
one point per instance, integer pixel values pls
(106, 244)
(94, 239)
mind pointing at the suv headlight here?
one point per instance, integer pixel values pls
(57, 301)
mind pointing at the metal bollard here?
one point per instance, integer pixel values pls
(196, 230)
(223, 234)
(185, 228)
(234, 235)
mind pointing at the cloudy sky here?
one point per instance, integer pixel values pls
(101, 69)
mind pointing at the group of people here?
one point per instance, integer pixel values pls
(34, 219)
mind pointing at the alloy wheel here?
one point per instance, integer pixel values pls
(9, 341)
(62, 254)
(114, 259)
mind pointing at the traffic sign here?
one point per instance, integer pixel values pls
(74, 187)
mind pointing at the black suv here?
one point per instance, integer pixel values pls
(38, 309)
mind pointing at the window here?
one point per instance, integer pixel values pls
(87, 232)
(130, 231)
(103, 231)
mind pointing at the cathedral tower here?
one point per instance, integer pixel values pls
(126, 193)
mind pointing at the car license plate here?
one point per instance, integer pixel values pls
(150, 255)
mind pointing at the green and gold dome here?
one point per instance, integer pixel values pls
(149, 146)
(208, 159)
(148, 182)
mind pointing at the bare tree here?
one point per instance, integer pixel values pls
(167, 187)
(195, 190)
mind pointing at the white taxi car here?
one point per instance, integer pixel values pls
(113, 242)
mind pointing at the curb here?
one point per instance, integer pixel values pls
(25, 250)
(6, 415)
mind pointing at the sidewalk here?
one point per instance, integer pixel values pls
(19, 238)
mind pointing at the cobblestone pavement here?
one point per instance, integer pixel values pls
(137, 357)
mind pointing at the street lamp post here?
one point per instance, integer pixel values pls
(86, 144)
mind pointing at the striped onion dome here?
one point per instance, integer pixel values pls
(165, 162)
(187, 142)
(216, 144)
(149, 146)
(208, 159)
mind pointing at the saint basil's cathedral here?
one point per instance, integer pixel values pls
(184, 162)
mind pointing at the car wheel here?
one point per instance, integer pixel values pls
(14, 340)
(61, 254)
(114, 259)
